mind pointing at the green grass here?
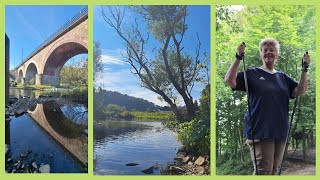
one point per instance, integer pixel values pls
(38, 87)
(229, 166)
(147, 116)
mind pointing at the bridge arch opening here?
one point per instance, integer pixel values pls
(31, 72)
(59, 57)
(20, 76)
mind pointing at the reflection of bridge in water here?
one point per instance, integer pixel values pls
(67, 133)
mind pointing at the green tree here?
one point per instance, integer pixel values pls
(76, 74)
(116, 111)
(195, 134)
(172, 72)
(97, 61)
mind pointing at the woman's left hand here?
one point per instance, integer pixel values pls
(306, 58)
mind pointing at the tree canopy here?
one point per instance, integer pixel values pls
(75, 74)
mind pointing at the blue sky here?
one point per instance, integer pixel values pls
(28, 26)
(117, 75)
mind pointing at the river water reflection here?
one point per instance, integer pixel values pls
(144, 143)
(53, 133)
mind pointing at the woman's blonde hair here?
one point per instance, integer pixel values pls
(268, 41)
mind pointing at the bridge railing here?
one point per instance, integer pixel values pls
(67, 25)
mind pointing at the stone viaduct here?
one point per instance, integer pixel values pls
(43, 65)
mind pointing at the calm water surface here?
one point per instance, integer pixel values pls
(145, 143)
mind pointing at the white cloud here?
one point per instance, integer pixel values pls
(109, 59)
(115, 77)
(113, 56)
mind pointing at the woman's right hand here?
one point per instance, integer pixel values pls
(241, 49)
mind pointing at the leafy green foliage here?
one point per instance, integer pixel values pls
(79, 94)
(97, 61)
(225, 165)
(162, 19)
(195, 134)
(75, 75)
(115, 111)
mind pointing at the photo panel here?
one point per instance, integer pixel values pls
(266, 90)
(151, 96)
(47, 89)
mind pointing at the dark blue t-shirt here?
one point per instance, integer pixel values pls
(269, 102)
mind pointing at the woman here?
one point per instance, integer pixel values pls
(269, 94)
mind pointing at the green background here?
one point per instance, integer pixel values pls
(91, 4)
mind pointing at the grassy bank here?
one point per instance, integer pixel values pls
(149, 116)
(35, 87)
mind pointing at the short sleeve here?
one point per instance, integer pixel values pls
(240, 82)
(292, 84)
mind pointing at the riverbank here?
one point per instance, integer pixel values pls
(21, 104)
(188, 164)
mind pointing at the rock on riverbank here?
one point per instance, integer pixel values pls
(188, 164)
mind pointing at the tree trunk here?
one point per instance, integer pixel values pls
(312, 141)
(217, 139)
(241, 145)
(304, 148)
(181, 90)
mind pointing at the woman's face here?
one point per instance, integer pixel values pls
(269, 54)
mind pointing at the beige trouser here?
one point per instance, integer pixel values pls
(269, 154)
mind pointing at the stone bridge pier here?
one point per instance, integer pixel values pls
(46, 79)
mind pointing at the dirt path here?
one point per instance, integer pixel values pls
(296, 165)
(300, 169)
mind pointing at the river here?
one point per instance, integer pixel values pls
(146, 144)
(51, 133)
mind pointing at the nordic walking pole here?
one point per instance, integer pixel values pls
(289, 131)
(250, 118)
(290, 125)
